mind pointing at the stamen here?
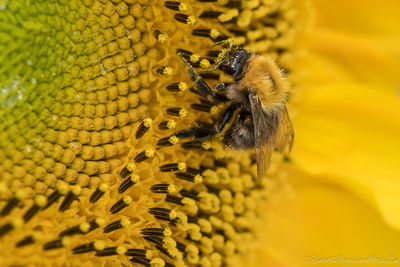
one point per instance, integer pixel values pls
(141, 261)
(121, 204)
(234, 4)
(99, 192)
(172, 167)
(143, 127)
(125, 185)
(82, 228)
(30, 239)
(156, 232)
(210, 14)
(116, 225)
(166, 71)
(177, 6)
(168, 141)
(161, 37)
(111, 251)
(163, 214)
(210, 33)
(61, 189)
(177, 87)
(89, 247)
(179, 112)
(58, 243)
(76, 190)
(202, 107)
(96, 223)
(148, 153)
(127, 170)
(189, 194)
(174, 199)
(163, 188)
(140, 253)
(13, 202)
(166, 125)
(189, 20)
(189, 177)
(40, 202)
(15, 223)
(204, 145)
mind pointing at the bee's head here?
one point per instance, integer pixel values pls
(235, 62)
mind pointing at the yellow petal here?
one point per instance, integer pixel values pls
(321, 221)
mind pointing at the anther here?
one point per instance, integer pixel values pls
(204, 145)
(172, 167)
(30, 239)
(76, 191)
(177, 87)
(141, 261)
(189, 20)
(174, 5)
(99, 192)
(40, 202)
(156, 232)
(116, 225)
(125, 185)
(127, 170)
(174, 199)
(58, 243)
(194, 178)
(121, 204)
(139, 253)
(179, 112)
(202, 107)
(166, 71)
(13, 202)
(168, 141)
(143, 127)
(210, 14)
(61, 189)
(161, 37)
(15, 223)
(163, 214)
(111, 251)
(234, 4)
(89, 247)
(148, 153)
(163, 188)
(82, 228)
(206, 1)
(210, 33)
(189, 194)
(166, 125)
(96, 223)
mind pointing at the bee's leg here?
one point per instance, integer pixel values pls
(226, 117)
(201, 85)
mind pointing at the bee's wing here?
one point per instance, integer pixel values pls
(265, 126)
(285, 132)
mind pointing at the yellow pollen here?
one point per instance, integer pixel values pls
(194, 58)
(214, 33)
(147, 122)
(121, 250)
(162, 38)
(99, 245)
(182, 86)
(204, 63)
(150, 153)
(167, 71)
(171, 189)
(157, 262)
(84, 227)
(183, 113)
(206, 145)
(41, 201)
(173, 140)
(171, 124)
(131, 167)
(104, 187)
(191, 20)
(182, 7)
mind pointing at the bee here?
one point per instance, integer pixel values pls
(256, 116)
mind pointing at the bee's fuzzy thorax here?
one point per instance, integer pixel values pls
(263, 77)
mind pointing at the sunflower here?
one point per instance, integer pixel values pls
(91, 93)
